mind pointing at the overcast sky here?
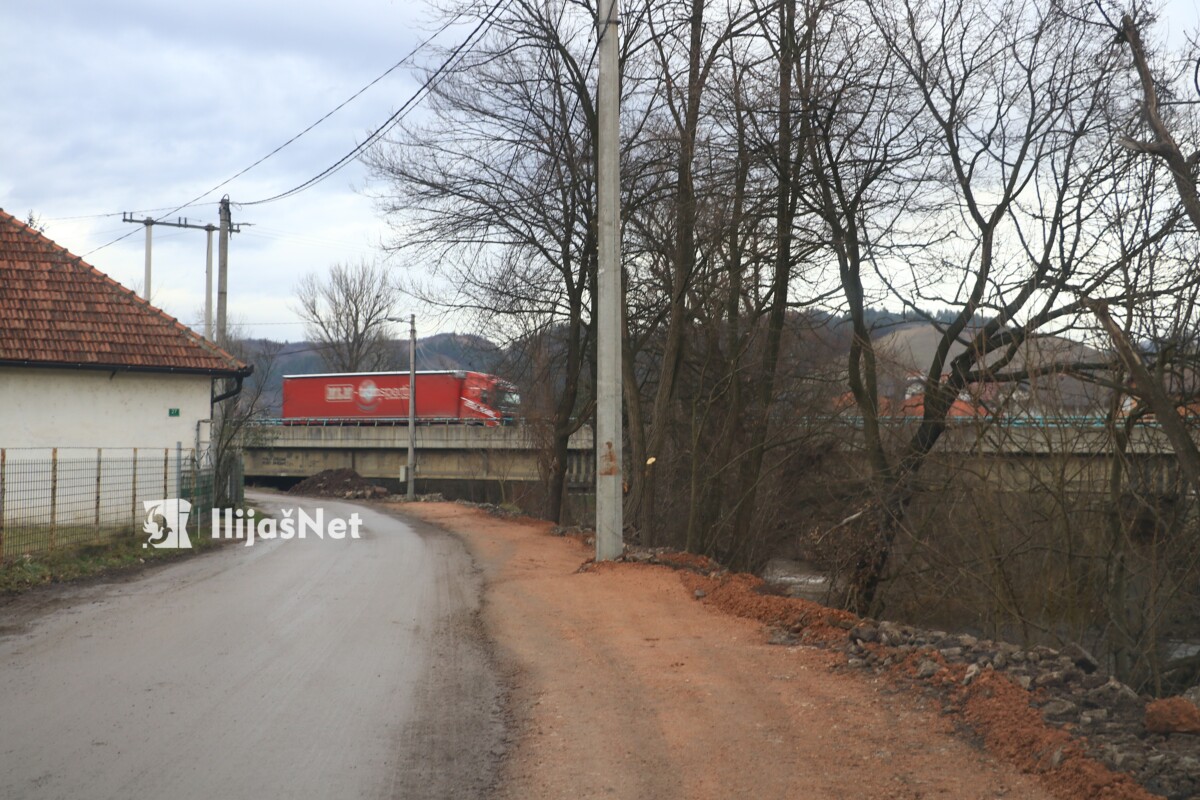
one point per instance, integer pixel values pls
(135, 105)
(113, 107)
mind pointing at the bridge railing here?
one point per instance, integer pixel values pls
(372, 422)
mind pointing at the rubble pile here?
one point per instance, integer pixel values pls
(1154, 741)
(1054, 712)
(345, 484)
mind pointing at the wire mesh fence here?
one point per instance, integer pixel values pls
(63, 498)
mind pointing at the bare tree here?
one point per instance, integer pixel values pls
(1000, 118)
(495, 189)
(234, 425)
(1154, 118)
(346, 314)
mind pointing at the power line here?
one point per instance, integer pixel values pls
(248, 324)
(484, 23)
(242, 172)
(114, 213)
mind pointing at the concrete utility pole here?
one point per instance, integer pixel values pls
(208, 320)
(410, 472)
(609, 483)
(149, 222)
(223, 270)
(412, 406)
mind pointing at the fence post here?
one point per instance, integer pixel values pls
(166, 472)
(53, 496)
(241, 480)
(133, 509)
(99, 463)
(3, 487)
(195, 469)
(179, 470)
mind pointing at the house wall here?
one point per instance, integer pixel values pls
(43, 408)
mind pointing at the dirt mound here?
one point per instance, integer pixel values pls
(341, 483)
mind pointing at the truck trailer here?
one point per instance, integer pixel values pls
(355, 397)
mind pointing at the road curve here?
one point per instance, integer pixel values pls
(290, 669)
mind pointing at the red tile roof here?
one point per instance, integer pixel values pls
(58, 311)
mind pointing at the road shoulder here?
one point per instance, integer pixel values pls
(624, 686)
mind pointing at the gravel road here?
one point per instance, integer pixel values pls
(290, 669)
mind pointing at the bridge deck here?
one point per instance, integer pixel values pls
(444, 452)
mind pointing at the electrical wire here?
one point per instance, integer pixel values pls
(460, 51)
(115, 213)
(290, 141)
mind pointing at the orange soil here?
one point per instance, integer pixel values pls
(625, 686)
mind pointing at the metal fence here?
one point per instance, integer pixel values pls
(62, 498)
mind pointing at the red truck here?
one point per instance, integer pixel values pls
(354, 397)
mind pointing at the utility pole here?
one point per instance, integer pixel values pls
(410, 472)
(226, 229)
(208, 320)
(149, 223)
(412, 406)
(609, 483)
(223, 270)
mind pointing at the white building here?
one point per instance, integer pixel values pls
(91, 374)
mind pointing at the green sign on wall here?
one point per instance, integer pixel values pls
(172, 412)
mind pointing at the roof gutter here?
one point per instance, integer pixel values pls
(216, 373)
(239, 379)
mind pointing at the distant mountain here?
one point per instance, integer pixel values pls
(452, 351)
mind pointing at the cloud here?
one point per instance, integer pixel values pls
(144, 105)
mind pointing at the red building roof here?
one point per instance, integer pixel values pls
(56, 310)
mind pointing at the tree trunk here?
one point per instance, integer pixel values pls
(784, 218)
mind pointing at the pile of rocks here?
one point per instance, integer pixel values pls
(1154, 741)
(503, 510)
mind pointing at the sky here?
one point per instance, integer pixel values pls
(134, 105)
(142, 105)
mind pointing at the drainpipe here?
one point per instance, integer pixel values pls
(239, 378)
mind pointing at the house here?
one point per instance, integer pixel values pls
(86, 363)
(105, 401)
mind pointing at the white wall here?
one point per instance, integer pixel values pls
(42, 408)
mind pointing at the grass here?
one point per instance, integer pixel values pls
(121, 550)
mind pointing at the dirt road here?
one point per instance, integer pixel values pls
(627, 687)
(297, 669)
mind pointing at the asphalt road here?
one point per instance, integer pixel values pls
(290, 669)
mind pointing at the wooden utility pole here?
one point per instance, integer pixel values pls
(609, 483)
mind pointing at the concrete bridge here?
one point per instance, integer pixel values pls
(449, 457)
(1073, 453)
(487, 463)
